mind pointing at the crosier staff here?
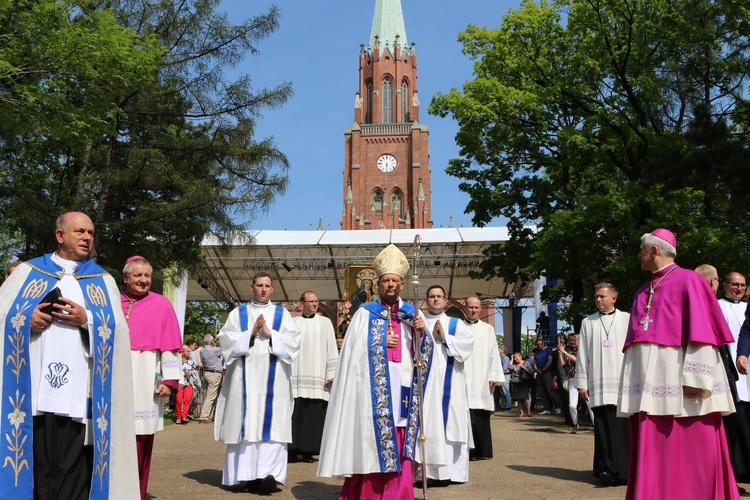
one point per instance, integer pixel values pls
(418, 361)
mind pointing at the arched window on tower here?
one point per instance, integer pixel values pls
(396, 202)
(387, 99)
(377, 201)
(368, 116)
(405, 101)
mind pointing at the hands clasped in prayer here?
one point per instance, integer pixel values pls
(437, 332)
(66, 312)
(261, 328)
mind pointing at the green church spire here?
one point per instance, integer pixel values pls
(387, 23)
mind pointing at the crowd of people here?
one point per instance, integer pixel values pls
(89, 370)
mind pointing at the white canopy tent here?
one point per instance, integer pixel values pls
(319, 261)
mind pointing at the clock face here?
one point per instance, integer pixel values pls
(387, 163)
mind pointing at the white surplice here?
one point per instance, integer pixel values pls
(149, 408)
(317, 359)
(735, 316)
(457, 429)
(241, 407)
(61, 345)
(483, 367)
(599, 360)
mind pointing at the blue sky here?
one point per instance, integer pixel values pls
(317, 49)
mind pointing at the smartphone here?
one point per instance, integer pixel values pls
(53, 296)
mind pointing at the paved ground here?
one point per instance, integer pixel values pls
(535, 458)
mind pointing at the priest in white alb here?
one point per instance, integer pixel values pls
(598, 369)
(737, 425)
(312, 375)
(254, 412)
(484, 370)
(453, 344)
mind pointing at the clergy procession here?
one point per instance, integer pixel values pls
(405, 404)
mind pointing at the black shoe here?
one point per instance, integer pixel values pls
(253, 486)
(268, 484)
(607, 479)
(308, 459)
(473, 459)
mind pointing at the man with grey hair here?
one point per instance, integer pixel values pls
(155, 342)
(673, 386)
(213, 366)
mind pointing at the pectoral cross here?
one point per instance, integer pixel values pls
(645, 321)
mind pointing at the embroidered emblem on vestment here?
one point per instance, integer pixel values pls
(57, 375)
(35, 288)
(96, 295)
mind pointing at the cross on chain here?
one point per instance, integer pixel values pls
(645, 321)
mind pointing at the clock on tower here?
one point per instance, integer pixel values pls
(386, 137)
(387, 163)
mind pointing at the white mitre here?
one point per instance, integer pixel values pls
(391, 261)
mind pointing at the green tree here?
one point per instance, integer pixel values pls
(597, 122)
(148, 135)
(202, 318)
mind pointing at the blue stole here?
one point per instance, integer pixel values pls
(268, 414)
(384, 425)
(17, 472)
(448, 374)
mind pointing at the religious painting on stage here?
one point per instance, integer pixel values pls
(361, 286)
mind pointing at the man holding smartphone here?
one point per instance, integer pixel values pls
(67, 376)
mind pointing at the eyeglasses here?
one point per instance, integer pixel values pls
(740, 285)
(311, 301)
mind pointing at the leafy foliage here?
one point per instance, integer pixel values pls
(123, 110)
(202, 318)
(597, 121)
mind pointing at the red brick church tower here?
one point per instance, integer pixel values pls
(387, 169)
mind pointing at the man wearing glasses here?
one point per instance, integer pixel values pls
(312, 376)
(738, 425)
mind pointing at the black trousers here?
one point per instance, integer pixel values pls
(307, 425)
(480, 429)
(62, 464)
(611, 443)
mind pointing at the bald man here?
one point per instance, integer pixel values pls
(67, 375)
